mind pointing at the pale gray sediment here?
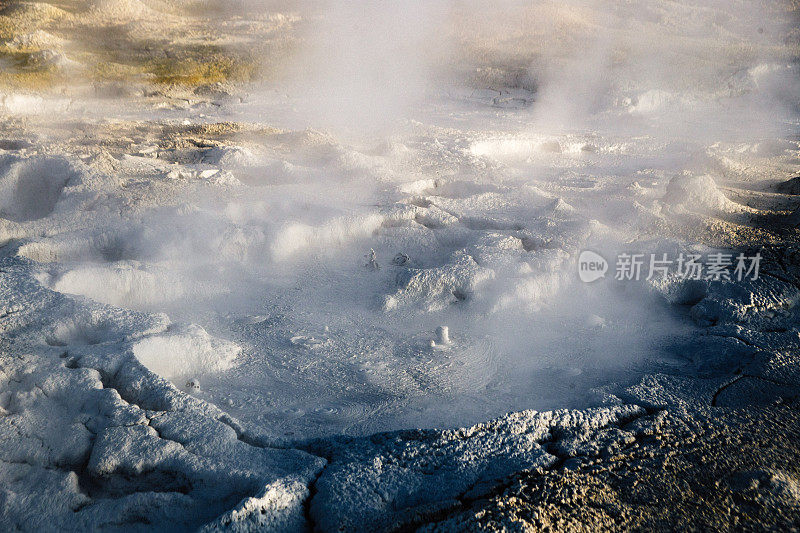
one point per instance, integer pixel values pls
(144, 191)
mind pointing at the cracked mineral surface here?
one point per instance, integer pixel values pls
(291, 266)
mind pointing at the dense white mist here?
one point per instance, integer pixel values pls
(362, 65)
(708, 66)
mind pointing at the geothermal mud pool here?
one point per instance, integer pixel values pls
(221, 303)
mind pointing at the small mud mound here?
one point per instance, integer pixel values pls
(107, 245)
(697, 194)
(38, 39)
(122, 283)
(790, 186)
(96, 325)
(184, 352)
(30, 188)
(433, 289)
(26, 12)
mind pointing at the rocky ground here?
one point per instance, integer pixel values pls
(127, 125)
(706, 469)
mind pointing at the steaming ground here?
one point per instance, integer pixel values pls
(213, 298)
(473, 230)
(263, 241)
